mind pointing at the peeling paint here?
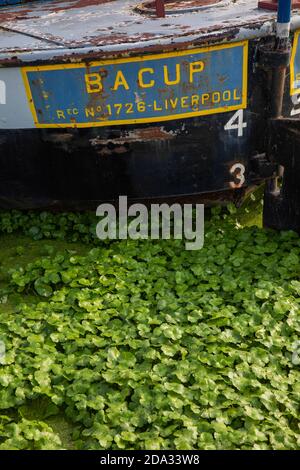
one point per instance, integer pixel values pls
(45, 31)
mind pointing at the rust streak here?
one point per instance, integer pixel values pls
(146, 134)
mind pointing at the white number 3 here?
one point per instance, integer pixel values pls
(238, 172)
(236, 122)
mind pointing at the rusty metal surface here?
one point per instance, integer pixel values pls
(64, 29)
(42, 167)
(160, 10)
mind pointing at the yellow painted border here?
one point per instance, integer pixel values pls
(144, 58)
(294, 91)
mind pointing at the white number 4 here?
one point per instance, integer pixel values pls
(236, 122)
